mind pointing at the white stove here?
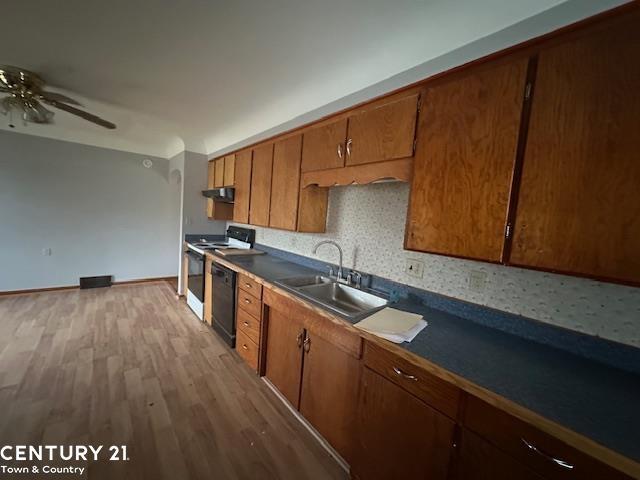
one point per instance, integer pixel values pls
(236, 238)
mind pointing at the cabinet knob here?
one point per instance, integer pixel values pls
(248, 285)
(244, 345)
(246, 324)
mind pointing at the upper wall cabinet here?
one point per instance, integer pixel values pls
(579, 205)
(229, 170)
(219, 172)
(285, 183)
(382, 133)
(216, 210)
(324, 147)
(465, 156)
(242, 180)
(293, 208)
(261, 176)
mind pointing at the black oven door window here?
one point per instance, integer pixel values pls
(196, 275)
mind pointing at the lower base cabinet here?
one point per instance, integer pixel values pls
(398, 435)
(318, 378)
(479, 460)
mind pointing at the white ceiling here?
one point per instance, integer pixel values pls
(204, 75)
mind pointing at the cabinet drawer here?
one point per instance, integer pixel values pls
(538, 450)
(436, 392)
(249, 303)
(247, 349)
(248, 325)
(250, 286)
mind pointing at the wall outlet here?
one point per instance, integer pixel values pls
(46, 252)
(477, 281)
(414, 268)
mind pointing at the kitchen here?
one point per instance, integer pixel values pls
(439, 280)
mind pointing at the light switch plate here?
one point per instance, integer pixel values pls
(414, 268)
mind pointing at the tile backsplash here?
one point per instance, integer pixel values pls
(368, 222)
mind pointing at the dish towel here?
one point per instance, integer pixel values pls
(393, 325)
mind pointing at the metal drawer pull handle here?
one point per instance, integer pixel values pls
(246, 300)
(349, 142)
(401, 373)
(248, 285)
(557, 461)
(246, 324)
(339, 150)
(245, 346)
(299, 339)
(307, 344)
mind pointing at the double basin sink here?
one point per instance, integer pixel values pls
(350, 302)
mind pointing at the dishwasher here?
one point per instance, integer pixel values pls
(224, 303)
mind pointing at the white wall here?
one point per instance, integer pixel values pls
(99, 210)
(368, 222)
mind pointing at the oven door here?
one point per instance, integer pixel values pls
(195, 278)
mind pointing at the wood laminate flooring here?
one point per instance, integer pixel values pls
(131, 365)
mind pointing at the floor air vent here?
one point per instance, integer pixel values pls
(96, 282)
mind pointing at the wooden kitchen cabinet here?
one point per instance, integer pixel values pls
(219, 172)
(229, 170)
(292, 207)
(329, 394)
(285, 187)
(283, 363)
(479, 460)
(398, 435)
(578, 210)
(464, 161)
(382, 133)
(324, 146)
(242, 167)
(261, 176)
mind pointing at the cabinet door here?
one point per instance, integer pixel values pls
(219, 172)
(324, 147)
(283, 365)
(243, 187)
(329, 395)
(383, 133)
(261, 185)
(398, 435)
(465, 155)
(229, 170)
(479, 460)
(579, 208)
(286, 183)
(211, 174)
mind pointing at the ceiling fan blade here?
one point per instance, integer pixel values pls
(58, 97)
(82, 114)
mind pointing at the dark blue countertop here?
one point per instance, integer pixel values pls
(590, 398)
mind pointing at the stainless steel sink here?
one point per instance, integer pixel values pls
(353, 303)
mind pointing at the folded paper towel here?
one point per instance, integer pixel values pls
(393, 325)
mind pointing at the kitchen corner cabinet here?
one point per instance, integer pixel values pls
(261, 176)
(464, 161)
(578, 210)
(292, 207)
(242, 178)
(315, 365)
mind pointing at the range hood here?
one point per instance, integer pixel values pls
(224, 195)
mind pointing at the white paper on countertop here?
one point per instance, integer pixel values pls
(393, 325)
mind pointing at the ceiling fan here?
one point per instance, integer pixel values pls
(26, 97)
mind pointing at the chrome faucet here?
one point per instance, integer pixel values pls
(331, 242)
